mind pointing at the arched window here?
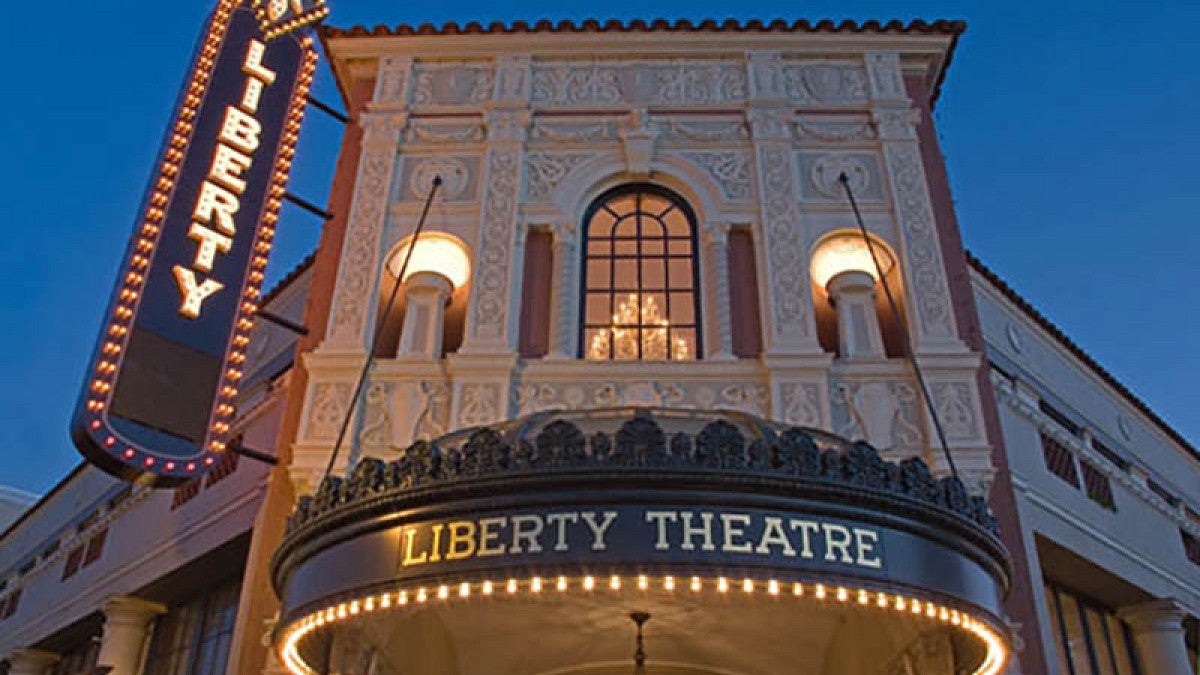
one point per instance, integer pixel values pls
(640, 277)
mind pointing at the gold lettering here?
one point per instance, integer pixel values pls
(528, 535)
(842, 542)
(561, 520)
(806, 527)
(410, 535)
(773, 533)
(462, 540)
(689, 531)
(435, 554)
(210, 243)
(193, 294)
(598, 529)
(731, 531)
(487, 536)
(661, 518)
(866, 547)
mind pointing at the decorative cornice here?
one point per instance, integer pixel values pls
(733, 448)
(1007, 393)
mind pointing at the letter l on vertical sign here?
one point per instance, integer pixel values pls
(159, 398)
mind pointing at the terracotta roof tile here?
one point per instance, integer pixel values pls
(1056, 332)
(941, 26)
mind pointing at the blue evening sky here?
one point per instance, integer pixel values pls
(1069, 128)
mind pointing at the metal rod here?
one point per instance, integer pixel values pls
(328, 110)
(282, 322)
(382, 324)
(308, 206)
(256, 455)
(905, 340)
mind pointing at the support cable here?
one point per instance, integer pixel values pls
(387, 308)
(905, 340)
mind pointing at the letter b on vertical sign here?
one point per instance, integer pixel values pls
(161, 391)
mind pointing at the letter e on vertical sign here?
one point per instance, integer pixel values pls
(158, 402)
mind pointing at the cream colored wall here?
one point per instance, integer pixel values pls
(752, 130)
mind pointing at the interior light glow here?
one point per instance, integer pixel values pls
(847, 252)
(434, 252)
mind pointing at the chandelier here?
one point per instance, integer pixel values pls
(633, 328)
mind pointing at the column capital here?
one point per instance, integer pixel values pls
(31, 661)
(1164, 615)
(130, 610)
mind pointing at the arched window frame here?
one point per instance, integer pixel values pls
(696, 290)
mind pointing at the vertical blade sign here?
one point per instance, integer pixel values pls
(159, 399)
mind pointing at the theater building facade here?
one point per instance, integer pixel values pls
(643, 402)
(640, 294)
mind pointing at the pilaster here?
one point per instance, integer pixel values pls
(563, 328)
(1157, 628)
(359, 268)
(717, 260)
(126, 627)
(930, 314)
(31, 661)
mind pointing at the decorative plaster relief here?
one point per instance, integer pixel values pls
(723, 131)
(452, 84)
(1125, 427)
(921, 249)
(746, 396)
(637, 83)
(479, 404)
(573, 132)
(442, 132)
(956, 410)
(376, 430)
(729, 168)
(497, 231)
(393, 79)
(887, 83)
(786, 257)
(327, 409)
(822, 170)
(824, 83)
(826, 129)
(1014, 338)
(801, 404)
(458, 177)
(356, 270)
(883, 414)
(545, 170)
(434, 418)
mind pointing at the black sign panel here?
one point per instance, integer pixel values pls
(158, 402)
(672, 538)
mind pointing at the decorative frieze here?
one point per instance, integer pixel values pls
(883, 71)
(729, 168)
(821, 172)
(567, 131)
(545, 170)
(443, 132)
(452, 84)
(829, 129)
(537, 396)
(359, 264)
(327, 405)
(391, 84)
(613, 83)
(882, 413)
(824, 84)
(457, 172)
(703, 131)
(800, 404)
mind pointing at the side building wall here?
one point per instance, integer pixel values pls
(1108, 495)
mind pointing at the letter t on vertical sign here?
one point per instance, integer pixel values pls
(158, 401)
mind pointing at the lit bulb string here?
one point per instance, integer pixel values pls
(144, 249)
(381, 325)
(417, 596)
(905, 340)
